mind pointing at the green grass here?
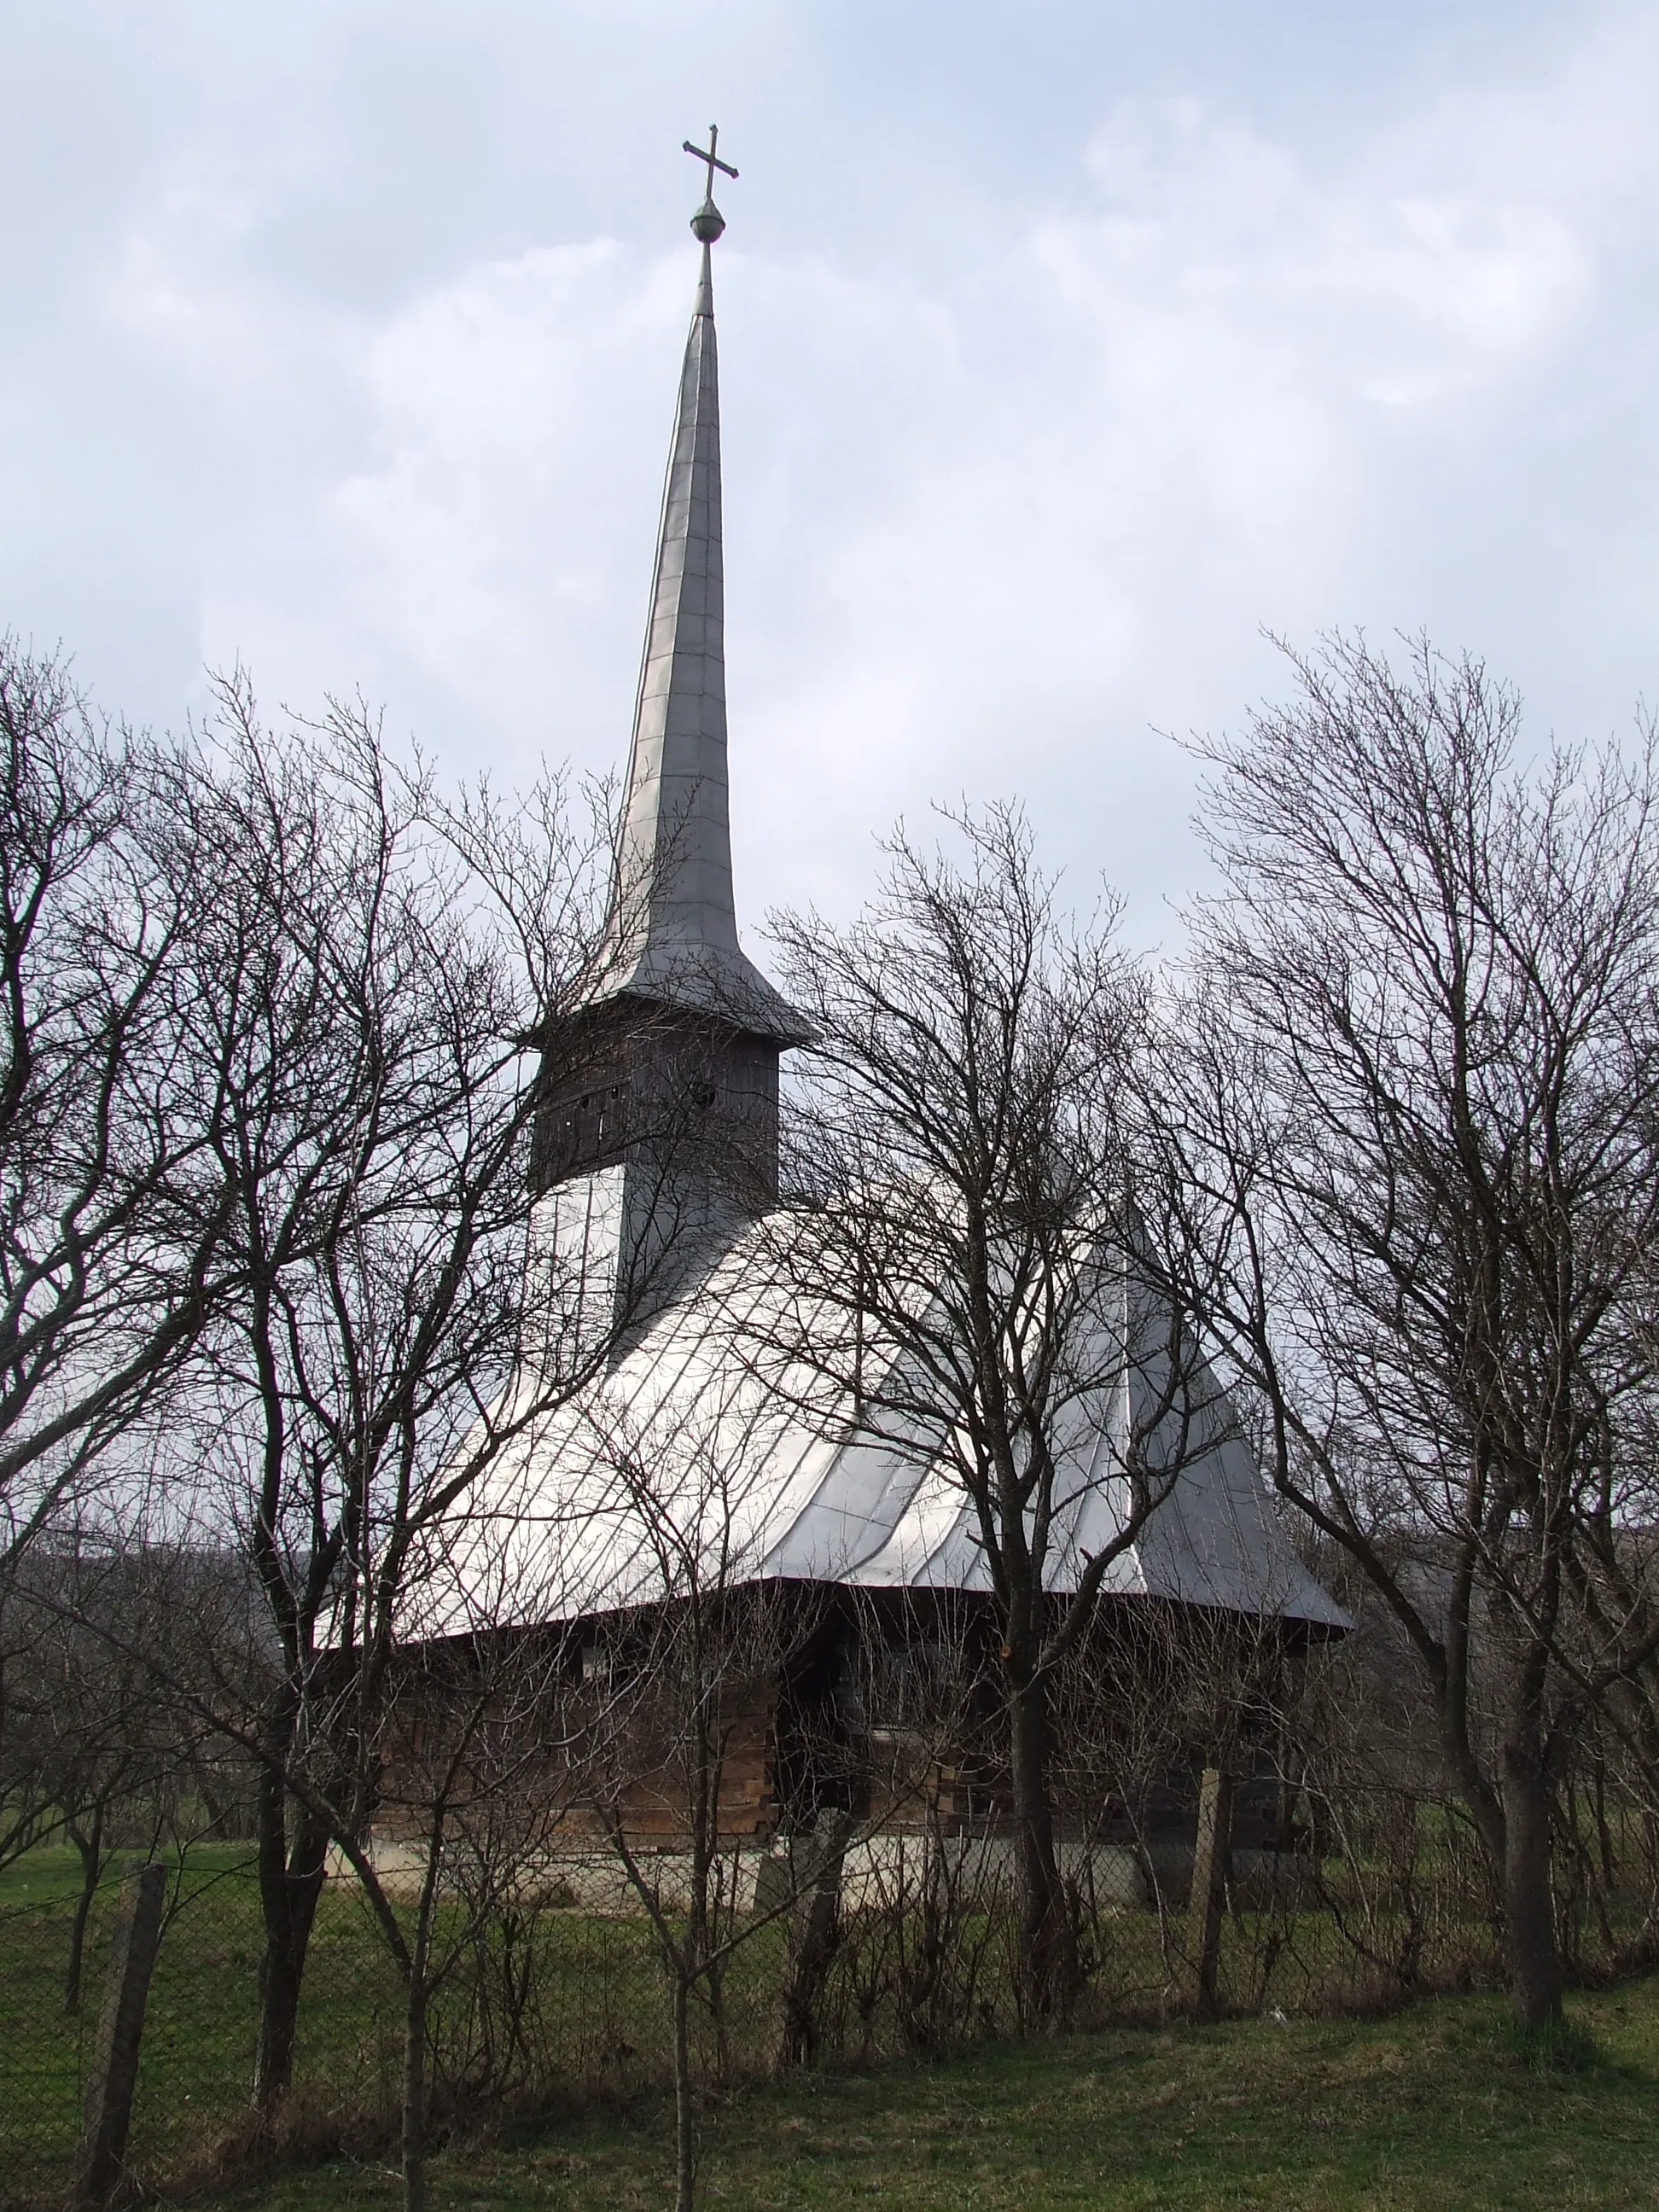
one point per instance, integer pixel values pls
(45, 1876)
(199, 2026)
(1434, 2107)
(599, 1996)
(1441, 2104)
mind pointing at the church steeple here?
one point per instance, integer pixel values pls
(674, 925)
(669, 1072)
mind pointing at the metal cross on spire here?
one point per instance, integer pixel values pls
(707, 223)
(711, 159)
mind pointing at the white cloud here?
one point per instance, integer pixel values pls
(1237, 389)
(1015, 469)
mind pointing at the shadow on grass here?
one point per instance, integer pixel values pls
(1557, 2046)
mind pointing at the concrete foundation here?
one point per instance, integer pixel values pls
(878, 1872)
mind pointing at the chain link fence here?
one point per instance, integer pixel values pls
(552, 2005)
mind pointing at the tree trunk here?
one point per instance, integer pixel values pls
(684, 2163)
(414, 2113)
(1047, 1938)
(1534, 1956)
(290, 1882)
(91, 1848)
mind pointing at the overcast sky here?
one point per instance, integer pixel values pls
(1064, 344)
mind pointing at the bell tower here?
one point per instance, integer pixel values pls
(659, 1102)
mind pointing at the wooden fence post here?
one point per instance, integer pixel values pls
(120, 2029)
(1215, 1807)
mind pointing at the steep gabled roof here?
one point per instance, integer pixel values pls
(703, 1442)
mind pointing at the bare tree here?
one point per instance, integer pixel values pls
(1409, 1103)
(434, 1761)
(98, 1297)
(471, 1775)
(970, 1279)
(116, 1761)
(358, 1021)
(678, 1751)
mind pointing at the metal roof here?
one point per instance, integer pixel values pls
(705, 1450)
(676, 940)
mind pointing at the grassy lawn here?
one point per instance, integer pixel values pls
(1433, 2108)
(198, 2032)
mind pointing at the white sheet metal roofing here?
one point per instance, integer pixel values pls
(701, 1452)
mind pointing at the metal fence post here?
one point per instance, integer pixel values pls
(120, 2030)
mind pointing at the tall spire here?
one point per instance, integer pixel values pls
(674, 922)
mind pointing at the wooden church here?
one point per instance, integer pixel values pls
(689, 1463)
